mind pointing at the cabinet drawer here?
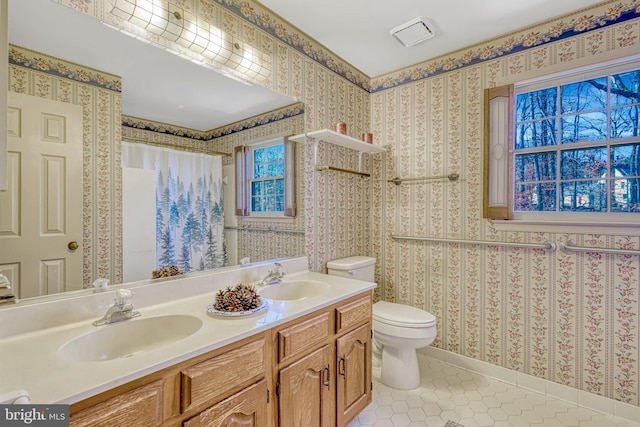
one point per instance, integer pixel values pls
(214, 378)
(247, 408)
(353, 314)
(295, 339)
(141, 406)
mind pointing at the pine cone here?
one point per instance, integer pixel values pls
(239, 298)
(166, 272)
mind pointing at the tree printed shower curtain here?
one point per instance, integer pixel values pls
(189, 209)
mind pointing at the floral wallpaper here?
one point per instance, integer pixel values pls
(569, 318)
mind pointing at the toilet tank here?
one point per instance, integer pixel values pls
(355, 267)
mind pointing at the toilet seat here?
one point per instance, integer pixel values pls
(402, 315)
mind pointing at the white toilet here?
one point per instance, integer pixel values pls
(398, 329)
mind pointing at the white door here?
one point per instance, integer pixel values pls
(41, 212)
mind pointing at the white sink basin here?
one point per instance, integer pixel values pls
(294, 290)
(128, 338)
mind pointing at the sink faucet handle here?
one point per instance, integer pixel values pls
(276, 267)
(4, 282)
(101, 285)
(123, 296)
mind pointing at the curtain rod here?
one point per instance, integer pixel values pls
(170, 145)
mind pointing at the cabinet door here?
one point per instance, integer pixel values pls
(247, 408)
(307, 396)
(354, 373)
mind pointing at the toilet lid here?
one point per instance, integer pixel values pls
(402, 315)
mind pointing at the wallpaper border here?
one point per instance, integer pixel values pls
(239, 126)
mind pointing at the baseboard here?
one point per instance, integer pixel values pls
(572, 395)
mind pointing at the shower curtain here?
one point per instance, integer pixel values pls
(189, 209)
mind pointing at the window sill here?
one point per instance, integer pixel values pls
(266, 218)
(568, 227)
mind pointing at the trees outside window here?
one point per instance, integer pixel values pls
(577, 146)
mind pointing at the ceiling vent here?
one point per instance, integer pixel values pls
(413, 32)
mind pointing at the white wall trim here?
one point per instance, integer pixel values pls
(565, 393)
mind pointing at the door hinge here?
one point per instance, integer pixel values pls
(268, 396)
(278, 388)
(372, 334)
(371, 386)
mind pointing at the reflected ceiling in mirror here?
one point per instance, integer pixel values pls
(157, 87)
(156, 84)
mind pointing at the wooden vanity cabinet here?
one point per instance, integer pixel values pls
(311, 371)
(192, 393)
(324, 369)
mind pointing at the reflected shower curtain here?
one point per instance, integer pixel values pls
(189, 210)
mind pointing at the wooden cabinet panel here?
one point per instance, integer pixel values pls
(295, 339)
(307, 391)
(140, 407)
(353, 314)
(247, 408)
(216, 377)
(323, 373)
(353, 381)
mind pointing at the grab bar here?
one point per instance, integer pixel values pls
(269, 229)
(333, 168)
(450, 177)
(546, 246)
(569, 246)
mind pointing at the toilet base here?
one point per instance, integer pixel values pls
(400, 368)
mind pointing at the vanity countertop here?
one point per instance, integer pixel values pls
(29, 360)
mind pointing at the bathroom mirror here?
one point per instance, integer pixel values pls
(156, 85)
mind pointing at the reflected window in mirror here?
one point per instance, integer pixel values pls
(265, 179)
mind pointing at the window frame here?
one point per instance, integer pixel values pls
(612, 222)
(244, 177)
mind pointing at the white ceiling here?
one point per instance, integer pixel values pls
(159, 86)
(156, 85)
(358, 30)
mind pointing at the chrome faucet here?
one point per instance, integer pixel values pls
(273, 276)
(122, 309)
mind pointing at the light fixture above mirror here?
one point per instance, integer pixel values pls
(209, 43)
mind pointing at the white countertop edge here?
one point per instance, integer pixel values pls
(200, 351)
(29, 360)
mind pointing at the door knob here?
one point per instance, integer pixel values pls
(73, 245)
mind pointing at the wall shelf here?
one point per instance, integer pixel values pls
(336, 138)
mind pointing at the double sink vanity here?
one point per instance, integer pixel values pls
(305, 359)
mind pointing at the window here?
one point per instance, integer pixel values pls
(575, 148)
(265, 179)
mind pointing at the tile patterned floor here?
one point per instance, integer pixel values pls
(450, 396)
